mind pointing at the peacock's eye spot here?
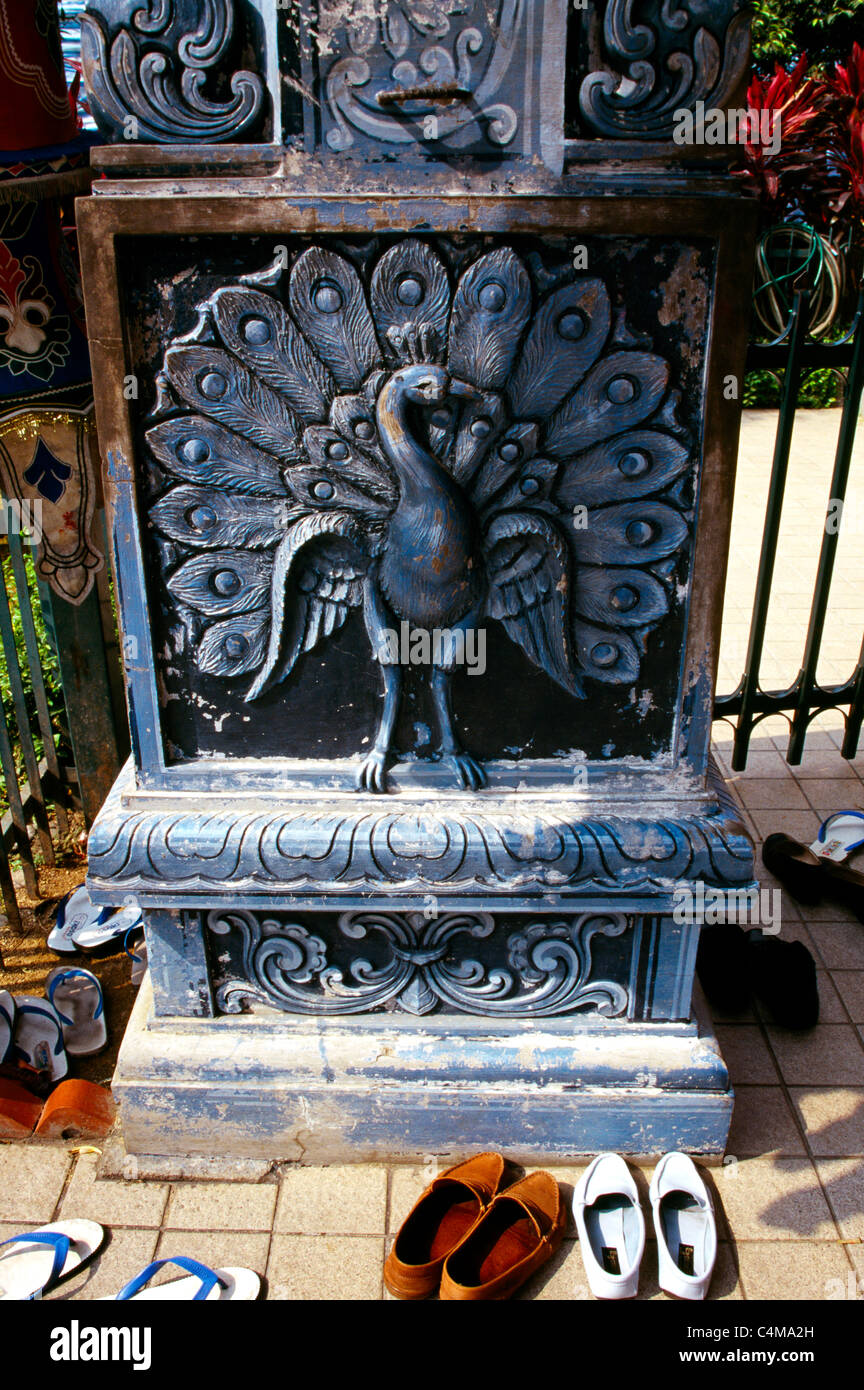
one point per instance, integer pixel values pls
(492, 296)
(225, 582)
(364, 429)
(327, 297)
(604, 654)
(440, 418)
(510, 452)
(482, 427)
(322, 491)
(635, 463)
(236, 646)
(410, 290)
(337, 449)
(624, 598)
(529, 487)
(213, 385)
(571, 325)
(640, 533)
(256, 331)
(201, 518)
(622, 389)
(195, 450)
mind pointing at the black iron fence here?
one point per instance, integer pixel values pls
(793, 355)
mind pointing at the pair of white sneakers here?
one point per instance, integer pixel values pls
(611, 1227)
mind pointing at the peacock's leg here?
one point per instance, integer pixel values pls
(470, 773)
(372, 776)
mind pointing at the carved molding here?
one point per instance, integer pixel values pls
(151, 65)
(347, 844)
(664, 56)
(419, 967)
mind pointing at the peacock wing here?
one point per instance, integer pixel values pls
(410, 286)
(566, 338)
(529, 578)
(222, 388)
(317, 577)
(328, 303)
(201, 451)
(491, 308)
(621, 391)
(256, 328)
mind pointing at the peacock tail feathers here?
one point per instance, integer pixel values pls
(280, 487)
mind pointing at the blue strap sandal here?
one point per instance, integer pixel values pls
(77, 996)
(37, 1261)
(202, 1285)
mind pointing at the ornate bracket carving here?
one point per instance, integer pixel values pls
(151, 66)
(664, 55)
(420, 966)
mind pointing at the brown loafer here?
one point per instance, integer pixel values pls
(518, 1232)
(439, 1220)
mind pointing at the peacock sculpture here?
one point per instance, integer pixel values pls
(438, 446)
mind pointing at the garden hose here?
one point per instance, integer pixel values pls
(817, 259)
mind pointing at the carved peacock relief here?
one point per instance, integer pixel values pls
(436, 447)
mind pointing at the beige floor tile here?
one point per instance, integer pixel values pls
(850, 987)
(763, 1123)
(824, 766)
(774, 1199)
(801, 825)
(833, 1118)
(840, 944)
(331, 1268)
(31, 1180)
(561, 1279)
(762, 762)
(778, 793)
(113, 1201)
(222, 1206)
(833, 794)
(830, 1055)
(843, 1180)
(347, 1199)
(746, 1054)
(218, 1249)
(817, 1270)
(831, 1006)
(125, 1255)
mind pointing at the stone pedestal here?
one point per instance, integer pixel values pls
(421, 495)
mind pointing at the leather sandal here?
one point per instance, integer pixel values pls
(438, 1222)
(518, 1232)
(812, 876)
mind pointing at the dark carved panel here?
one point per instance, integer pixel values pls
(662, 56)
(282, 488)
(160, 71)
(431, 78)
(464, 962)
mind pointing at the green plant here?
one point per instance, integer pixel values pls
(819, 388)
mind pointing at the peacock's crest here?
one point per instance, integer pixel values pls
(561, 436)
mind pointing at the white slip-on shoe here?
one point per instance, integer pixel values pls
(611, 1227)
(685, 1227)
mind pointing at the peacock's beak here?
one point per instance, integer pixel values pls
(462, 389)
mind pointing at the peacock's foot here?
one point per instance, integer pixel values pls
(470, 773)
(372, 776)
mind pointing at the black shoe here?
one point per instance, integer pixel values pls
(809, 878)
(782, 976)
(721, 964)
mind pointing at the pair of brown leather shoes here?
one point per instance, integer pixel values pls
(474, 1238)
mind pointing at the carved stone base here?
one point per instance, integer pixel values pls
(403, 1089)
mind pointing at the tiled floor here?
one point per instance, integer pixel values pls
(791, 1191)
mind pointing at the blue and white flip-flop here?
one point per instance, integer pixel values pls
(8, 1010)
(202, 1285)
(33, 1263)
(839, 836)
(38, 1037)
(138, 956)
(75, 913)
(111, 928)
(77, 997)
